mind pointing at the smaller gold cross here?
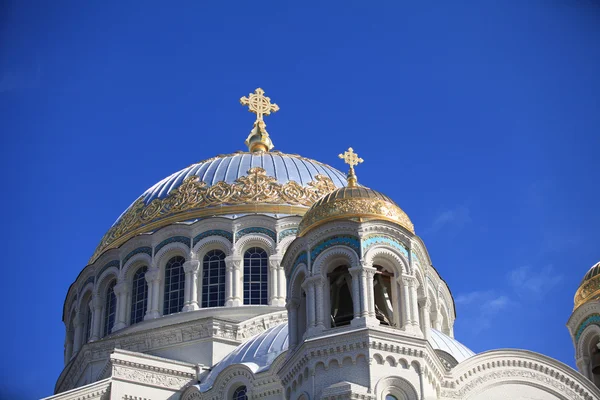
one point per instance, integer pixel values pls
(259, 104)
(352, 159)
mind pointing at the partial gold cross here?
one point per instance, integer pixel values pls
(352, 159)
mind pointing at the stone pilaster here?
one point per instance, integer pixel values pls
(234, 267)
(309, 288)
(122, 292)
(78, 336)
(425, 305)
(96, 305)
(292, 308)
(319, 283)
(356, 299)
(153, 280)
(274, 276)
(190, 295)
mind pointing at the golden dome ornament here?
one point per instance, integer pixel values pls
(353, 202)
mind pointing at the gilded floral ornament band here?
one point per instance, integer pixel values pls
(354, 208)
(256, 192)
(589, 290)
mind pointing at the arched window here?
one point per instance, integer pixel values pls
(255, 276)
(240, 393)
(340, 290)
(213, 279)
(384, 295)
(139, 295)
(110, 308)
(174, 285)
(87, 329)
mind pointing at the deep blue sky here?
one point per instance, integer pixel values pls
(480, 118)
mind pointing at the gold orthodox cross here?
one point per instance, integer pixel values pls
(352, 159)
(259, 104)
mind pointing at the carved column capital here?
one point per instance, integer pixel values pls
(121, 288)
(191, 266)
(425, 302)
(152, 275)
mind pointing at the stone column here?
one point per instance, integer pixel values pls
(406, 317)
(121, 292)
(438, 319)
(396, 303)
(425, 305)
(78, 336)
(153, 280)
(370, 273)
(228, 282)
(356, 300)
(319, 303)
(292, 308)
(190, 296)
(234, 264)
(69, 345)
(583, 365)
(273, 281)
(281, 285)
(96, 305)
(414, 305)
(309, 288)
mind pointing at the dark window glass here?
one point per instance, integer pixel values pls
(213, 279)
(240, 393)
(255, 276)
(110, 308)
(174, 284)
(139, 295)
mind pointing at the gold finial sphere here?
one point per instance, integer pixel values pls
(352, 159)
(261, 105)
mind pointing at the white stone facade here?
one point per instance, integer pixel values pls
(167, 357)
(352, 309)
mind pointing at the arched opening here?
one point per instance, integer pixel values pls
(340, 295)
(301, 317)
(110, 308)
(256, 276)
(213, 279)
(174, 285)
(594, 351)
(240, 393)
(386, 296)
(139, 295)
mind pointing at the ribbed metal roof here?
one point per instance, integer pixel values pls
(257, 354)
(441, 341)
(228, 168)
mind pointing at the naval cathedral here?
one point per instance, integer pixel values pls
(266, 275)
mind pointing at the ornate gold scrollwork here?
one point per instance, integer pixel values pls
(193, 198)
(354, 208)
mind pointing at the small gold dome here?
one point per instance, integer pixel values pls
(589, 289)
(355, 203)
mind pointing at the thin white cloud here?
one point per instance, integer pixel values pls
(481, 307)
(456, 218)
(528, 282)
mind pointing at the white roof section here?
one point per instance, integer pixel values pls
(259, 352)
(441, 341)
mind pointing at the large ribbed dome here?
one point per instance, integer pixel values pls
(239, 183)
(355, 202)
